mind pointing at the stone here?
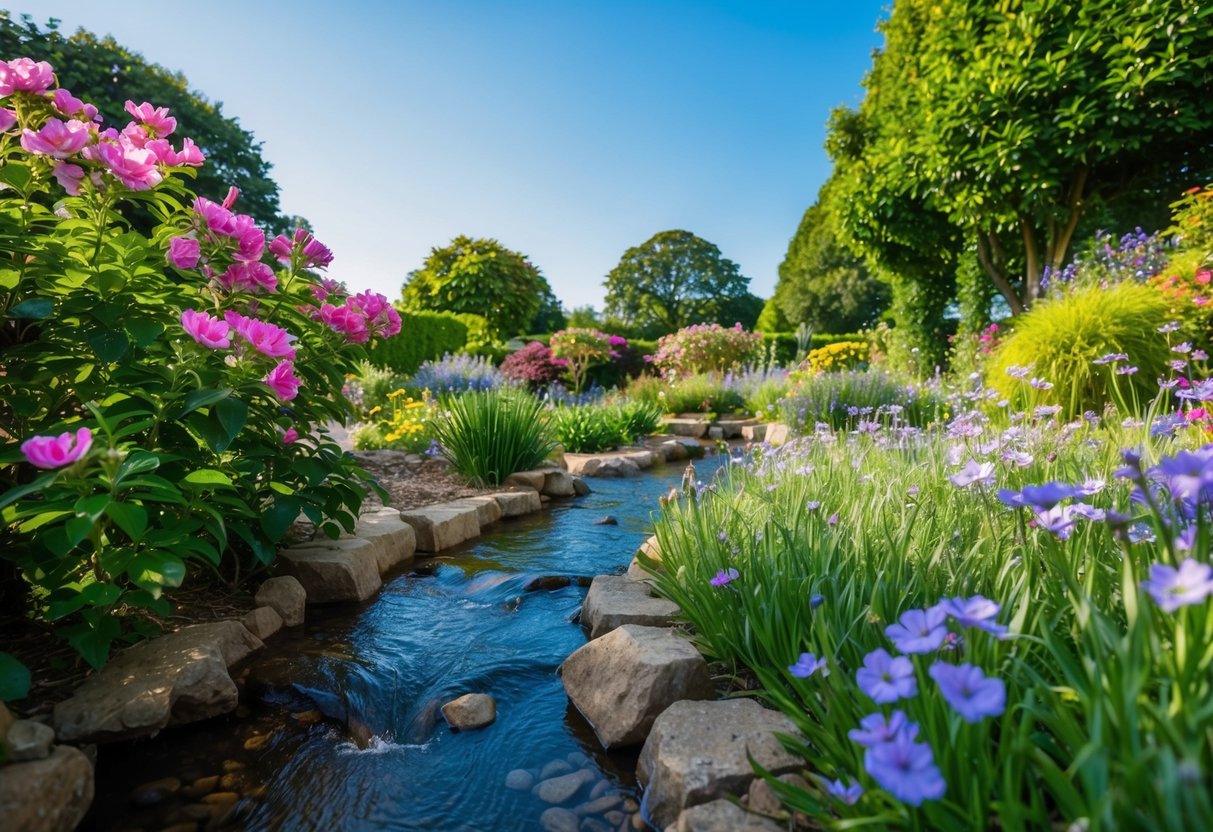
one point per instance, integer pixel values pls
(257, 743)
(559, 820)
(472, 710)
(641, 459)
(286, 596)
(533, 480)
(396, 541)
(692, 427)
(558, 484)
(519, 779)
(623, 680)
(615, 600)
(673, 451)
(696, 753)
(618, 466)
(157, 791)
(29, 740)
(488, 510)
(562, 788)
(594, 825)
(518, 503)
(262, 622)
(334, 571)
(580, 487)
(200, 787)
(443, 525)
(716, 432)
(547, 583)
(600, 789)
(724, 816)
(554, 768)
(761, 797)
(615, 817)
(49, 795)
(777, 433)
(754, 433)
(6, 721)
(691, 446)
(599, 805)
(606, 520)
(171, 680)
(733, 428)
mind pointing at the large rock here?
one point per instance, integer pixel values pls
(28, 740)
(48, 795)
(733, 428)
(696, 753)
(396, 541)
(687, 427)
(724, 816)
(754, 433)
(286, 596)
(558, 484)
(444, 525)
(472, 710)
(615, 600)
(488, 510)
(623, 680)
(518, 503)
(262, 622)
(526, 479)
(651, 550)
(177, 678)
(610, 466)
(777, 433)
(335, 570)
(580, 487)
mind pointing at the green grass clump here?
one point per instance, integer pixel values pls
(489, 435)
(842, 399)
(590, 428)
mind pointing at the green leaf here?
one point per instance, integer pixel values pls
(201, 398)
(18, 176)
(36, 309)
(138, 462)
(92, 638)
(15, 494)
(231, 414)
(129, 517)
(14, 676)
(93, 506)
(279, 516)
(208, 477)
(109, 344)
(144, 331)
(155, 570)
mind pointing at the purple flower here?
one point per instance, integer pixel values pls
(905, 769)
(1173, 588)
(848, 793)
(816, 601)
(1038, 497)
(1041, 384)
(976, 612)
(886, 678)
(918, 631)
(974, 473)
(1111, 358)
(1182, 348)
(833, 520)
(1016, 371)
(875, 729)
(812, 505)
(1173, 326)
(1126, 371)
(1202, 391)
(725, 577)
(969, 691)
(807, 665)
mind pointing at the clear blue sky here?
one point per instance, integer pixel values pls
(567, 130)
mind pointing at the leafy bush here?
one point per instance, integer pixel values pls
(838, 357)
(584, 428)
(1051, 356)
(762, 390)
(455, 374)
(705, 348)
(430, 335)
(158, 421)
(489, 435)
(847, 399)
(636, 420)
(403, 425)
(706, 393)
(533, 365)
(579, 349)
(368, 388)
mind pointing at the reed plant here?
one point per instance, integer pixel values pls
(488, 435)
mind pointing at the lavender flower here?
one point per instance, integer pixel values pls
(918, 631)
(816, 601)
(1038, 497)
(1016, 371)
(886, 678)
(974, 473)
(1126, 371)
(725, 577)
(1166, 328)
(977, 611)
(970, 693)
(905, 769)
(1201, 391)
(833, 519)
(875, 729)
(1111, 358)
(812, 505)
(807, 665)
(842, 792)
(1041, 384)
(1173, 588)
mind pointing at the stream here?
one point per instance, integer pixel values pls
(340, 728)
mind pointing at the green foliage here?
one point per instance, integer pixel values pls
(480, 334)
(550, 316)
(704, 393)
(771, 319)
(579, 349)
(842, 400)
(672, 280)
(489, 435)
(428, 335)
(591, 428)
(582, 317)
(403, 424)
(1059, 339)
(479, 277)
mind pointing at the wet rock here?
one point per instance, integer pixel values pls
(696, 753)
(723, 816)
(754, 433)
(519, 779)
(693, 427)
(233, 782)
(221, 799)
(257, 743)
(157, 791)
(28, 740)
(597, 807)
(194, 812)
(233, 765)
(533, 480)
(630, 805)
(600, 789)
(488, 510)
(578, 760)
(309, 717)
(48, 795)
(472, 710)
(546, 583)
(561, 789)
(200, 787)
(580, 487)
(395, 540)
(608, 466)
(554, 768)
(615, 600)
(558, 484)
(176, 678)
(518, 503)
(334, 571)
(761, 797)
(732, 428)
(444, 525)
(673, 451)
(650, 550)
(559, 820)
(594, 825)
(615, 817)
(608, 520)
(262, 622)
(623, 680)
(638, 822)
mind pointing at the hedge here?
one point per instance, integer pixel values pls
(424, 336)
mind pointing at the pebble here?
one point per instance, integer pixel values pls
(559, 789)
(196, 812)
(594, 825)
(157, 791)
(615, 818)
(578, 760)
(308, 717)
(553, 768)
(559, 820)
(608, 520)
(519, 779)
(597, 807)
(257, 743)
(201, 786)
(232, 765)
(630, 805)
(600, 789)
(638, 822)
(224, 799)
(233, 782)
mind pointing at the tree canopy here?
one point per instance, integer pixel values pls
(675, 279)
(106, 74)
(481, 277)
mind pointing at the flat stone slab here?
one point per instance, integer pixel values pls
(623, 680)
(488, 510)
(777, 433)
(615, 600)
(332, 571)
(518, 503)
(174, 679)
(443, 525)
(733, 428)
(696, 753)
(396, 539)
(754, 433)
(724, 816)
(686, 427)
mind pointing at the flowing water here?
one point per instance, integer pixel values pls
(343, 729)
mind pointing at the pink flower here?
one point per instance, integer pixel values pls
(56, 138)
(249, 238)
(190, 154)
(291, 436)
(232, 194)
(283, 381)
(207, 331)
(280, 247)
(215, 216)
(70, 105)
(8, 119)
(183, 252)
(266, 338)
(133, 166)
(69, 176)
(1204, 276)
(156, 118)
(57, 451)
(326, 288)
(248, 277)
(346, 320)
(314, 254)
(381, 319)
(163, 149)
(23, 74)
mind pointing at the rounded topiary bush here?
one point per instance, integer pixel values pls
(1060, 339)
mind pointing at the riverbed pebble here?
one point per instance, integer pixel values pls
(599, 789)
(638, 822)
(472, 710)
(519, 779)
(257, 742)
(554, 768)
(560, 789)
(615, 817)
(597, 807)
(595, 825)
(201, 786)
(157, 791)
(559, 820)
(578, 760)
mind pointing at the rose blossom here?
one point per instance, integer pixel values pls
(57, 451)
(183, 252)
(283, 381)
(25, 75)
(207, 331)
(156, 118)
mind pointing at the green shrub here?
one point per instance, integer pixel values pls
(489, 435)
(428, 335)
(585, 428)
(635, 419)
(1060, 338)
(370, 386)
(705, 393)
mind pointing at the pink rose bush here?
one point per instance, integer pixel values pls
(156, 385)
(704, 348)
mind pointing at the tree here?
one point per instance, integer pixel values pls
(106, 74)
(672, 280)
(822, 283)
(550, 316)
(1016, 119)
(481, 277)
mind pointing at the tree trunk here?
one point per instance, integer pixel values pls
(989, 253)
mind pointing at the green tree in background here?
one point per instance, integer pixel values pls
(675, 279)
(481, 277)
(106, 74)
(550, 316)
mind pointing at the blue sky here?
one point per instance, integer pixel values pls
(567, 130)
